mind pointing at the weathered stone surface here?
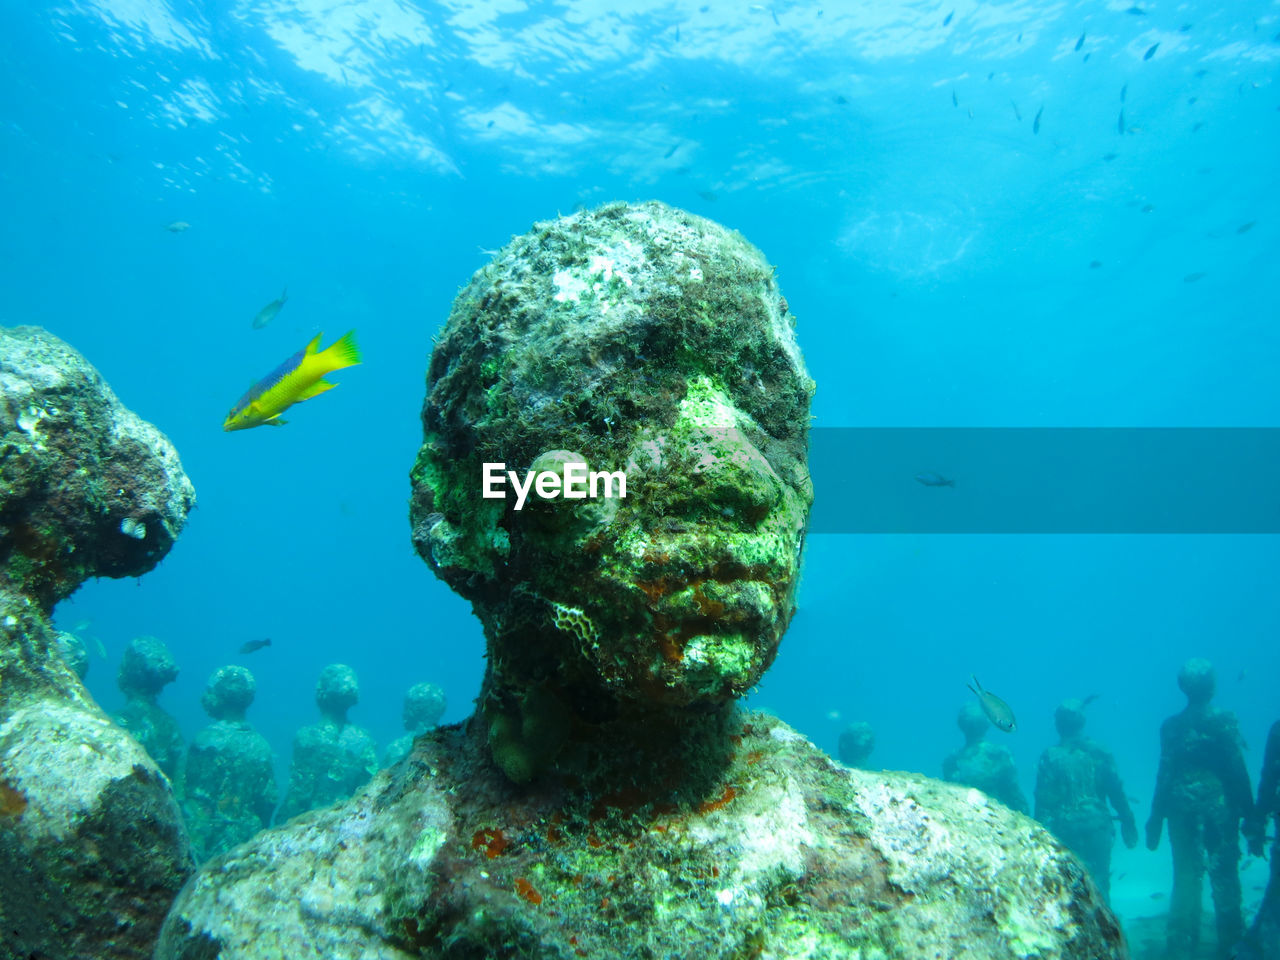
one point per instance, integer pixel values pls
(772, 851)
(92, 848)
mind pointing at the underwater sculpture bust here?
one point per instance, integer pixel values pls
(608, 798)
(92, 848)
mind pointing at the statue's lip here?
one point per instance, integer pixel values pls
(729, 572)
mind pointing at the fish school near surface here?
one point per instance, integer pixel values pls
(299, 378)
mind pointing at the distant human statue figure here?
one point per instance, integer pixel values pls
(1262, 941)
(1203, 791)
(1075, 781)
(146, 668)
(987, 766)
(423, 707)
(857, 740)
(231, 783)
(333, 758)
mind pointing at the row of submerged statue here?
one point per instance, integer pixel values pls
(607, 798)
(225, 780)
(1202, 793)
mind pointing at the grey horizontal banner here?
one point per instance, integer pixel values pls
(1045, 480)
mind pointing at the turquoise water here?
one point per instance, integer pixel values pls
(934, 245)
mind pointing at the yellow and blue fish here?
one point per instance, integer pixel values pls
(301, 377)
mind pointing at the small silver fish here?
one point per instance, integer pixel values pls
(997, 710)
(1151, 51)
(1035, 124)
(178, 226)
(1080, 43)
(269, 312)
(931, 479)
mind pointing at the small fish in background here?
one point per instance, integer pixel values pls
(249, 646)
(1035, 124)
(931, 479)
(1109, 156)
(1151, 51)
(178, 226)
(671, 153)
(997, 711)
(1148, 208)
(947, 21)
(271, 310)
(299, 378)
(1124, 92)
(1157, 895)
(1120, 122)
(1246, 227)
(1137, 11)
(841, 99)
(1095, 264)
(709, 195)
(955, 101)
(1016, 112)
(773, 13)
(1080, 42)
(1193, 277)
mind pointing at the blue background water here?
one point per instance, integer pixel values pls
(937, 254)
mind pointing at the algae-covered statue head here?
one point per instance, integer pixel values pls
(636, 339)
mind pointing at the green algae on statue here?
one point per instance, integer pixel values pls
(609, 799)
(645, 340)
